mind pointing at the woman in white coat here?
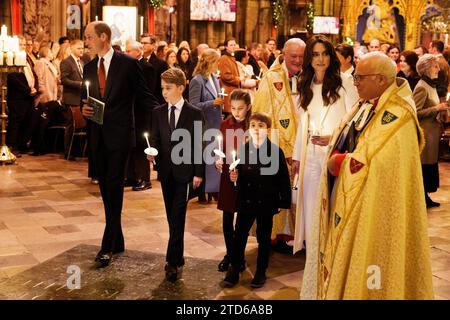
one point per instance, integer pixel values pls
(326, 96)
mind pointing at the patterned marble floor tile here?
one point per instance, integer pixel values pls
(41, 196)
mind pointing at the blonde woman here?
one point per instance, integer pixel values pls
(204, 92)
(47, 75)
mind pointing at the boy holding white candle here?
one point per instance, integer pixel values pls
(179, 163)
(263, 188)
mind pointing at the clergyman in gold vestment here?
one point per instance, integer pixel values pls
(370, 238)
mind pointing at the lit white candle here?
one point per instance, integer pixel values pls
(24, 58)
(87, 88)
(7, 44)
(15, 44)
(146, 138)
(219, 140)
(20, 59)
(96, 18)
(4, 32)
(233, 153)
(9, 58)
(142, 25)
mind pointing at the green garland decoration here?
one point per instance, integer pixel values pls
(277, 12)
(156, 3)
(310, 17)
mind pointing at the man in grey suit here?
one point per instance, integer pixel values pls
(72, 81)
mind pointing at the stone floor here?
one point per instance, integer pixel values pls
(51, 217)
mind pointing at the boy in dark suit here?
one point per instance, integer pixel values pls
(264, 186)
(180, 161)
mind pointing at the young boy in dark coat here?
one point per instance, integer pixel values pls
(264, 186)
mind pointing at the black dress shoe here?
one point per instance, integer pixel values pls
(232, 277)
(173, 273)
(282, 247)
(130, 182)
(103, 259)
(224, 264)
(432, 204)
(142, 185)
(259, 279)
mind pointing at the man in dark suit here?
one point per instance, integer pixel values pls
(179, 163)
(149, 43)
(117, 80)
(72, 82)
(138, 169)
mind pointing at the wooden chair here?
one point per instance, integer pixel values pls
(79, 129)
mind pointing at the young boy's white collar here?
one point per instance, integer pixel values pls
(178, 105)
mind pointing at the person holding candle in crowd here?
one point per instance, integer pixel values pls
(327, 96)
(169, 122)
(232, 130)
(118, 81)
(263, 188)
(278, 96)
(204, 94)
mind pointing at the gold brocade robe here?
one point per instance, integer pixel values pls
(373, 243)
(274, 98)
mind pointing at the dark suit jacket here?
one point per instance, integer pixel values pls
(160, 66)
(149, 75)
(143, 116)
(125, 90)
(161, 140)
(72, 80)
(262, 193)
(18, 88)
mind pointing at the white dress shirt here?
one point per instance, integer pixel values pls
(178, 107)
(107, 61)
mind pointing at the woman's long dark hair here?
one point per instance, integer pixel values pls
(332, 81)
(185, 66)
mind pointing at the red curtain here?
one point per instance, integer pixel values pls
(16, 17)
(151, 21)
